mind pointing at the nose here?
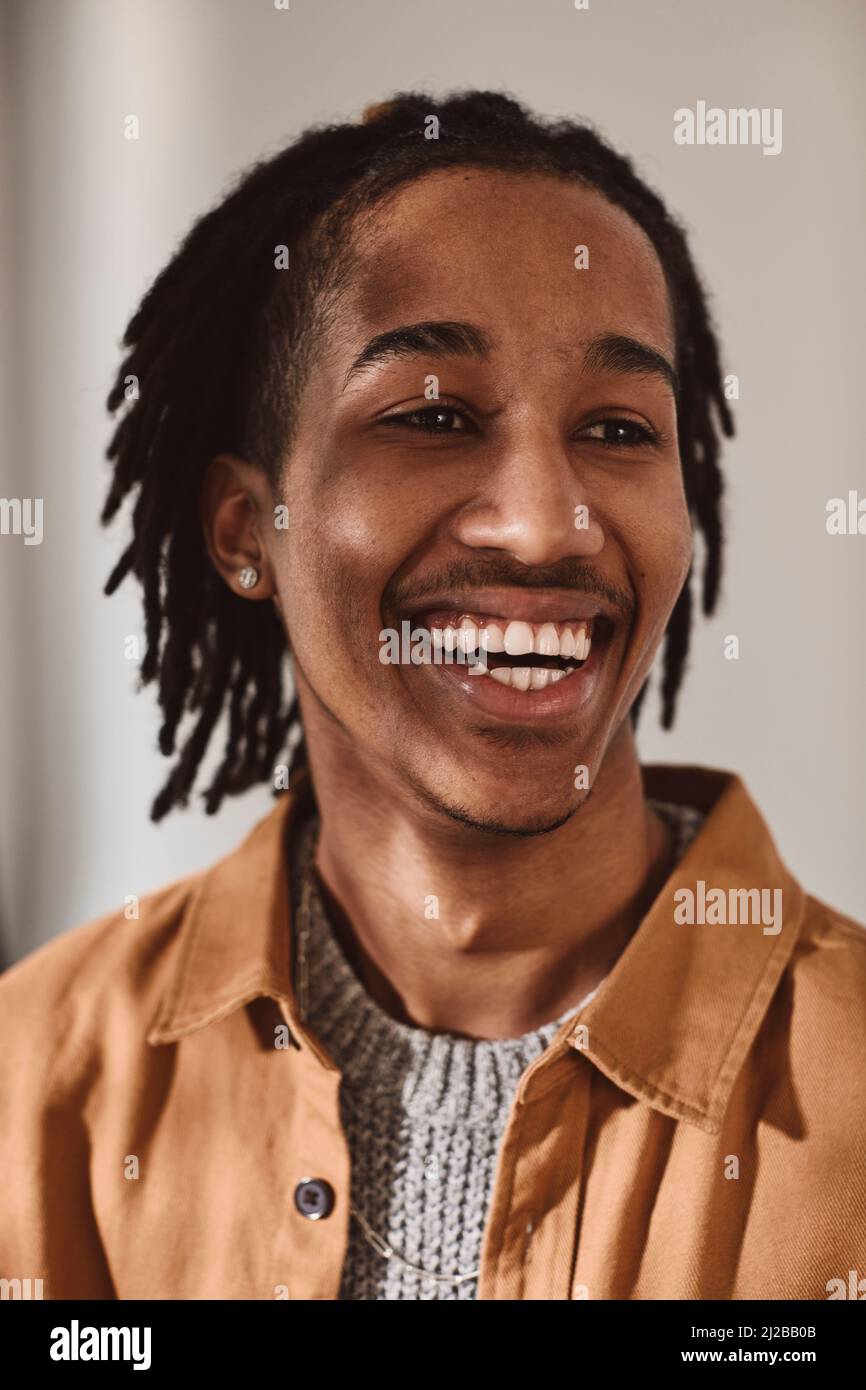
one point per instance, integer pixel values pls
(532, 504)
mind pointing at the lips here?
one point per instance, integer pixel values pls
(530, 655)
(526, 656)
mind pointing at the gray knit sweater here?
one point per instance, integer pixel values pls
(423, 1113)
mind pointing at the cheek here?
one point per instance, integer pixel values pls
(667, 553)
(343, 543)
(669, 549)
(655, 533)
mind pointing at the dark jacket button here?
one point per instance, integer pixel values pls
(314, 1198)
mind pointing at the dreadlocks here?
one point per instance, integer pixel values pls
(216, 360)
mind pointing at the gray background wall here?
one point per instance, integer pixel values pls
(88, 218)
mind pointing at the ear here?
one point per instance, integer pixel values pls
(236, 504)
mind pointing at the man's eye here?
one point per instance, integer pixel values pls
(433, 419)
(622, 432)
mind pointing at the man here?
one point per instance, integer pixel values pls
(483, 1008)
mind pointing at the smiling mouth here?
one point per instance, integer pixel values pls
(524, 656)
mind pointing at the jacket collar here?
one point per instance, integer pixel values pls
(235, 938)
(674, 1019)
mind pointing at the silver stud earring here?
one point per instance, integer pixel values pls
(248, 577)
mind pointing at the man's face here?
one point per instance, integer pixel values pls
(542, 506)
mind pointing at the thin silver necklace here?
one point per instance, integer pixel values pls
(389, 1253)
(305, 908)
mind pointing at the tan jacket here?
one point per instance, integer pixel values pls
(698, 1132)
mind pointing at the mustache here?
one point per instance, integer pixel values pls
(567, 573)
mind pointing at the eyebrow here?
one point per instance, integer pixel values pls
(612, 352)
(431, 338)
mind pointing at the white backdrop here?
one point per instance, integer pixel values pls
(88, 218)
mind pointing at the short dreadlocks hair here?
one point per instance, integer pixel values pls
(219, 350)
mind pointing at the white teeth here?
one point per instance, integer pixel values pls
(527, 677)
(467, 636)
(518, 639)
(493, 638)
(547, 640)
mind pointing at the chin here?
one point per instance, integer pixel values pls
(522, 814)
(492, 820)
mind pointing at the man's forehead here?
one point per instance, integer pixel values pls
(435, 250)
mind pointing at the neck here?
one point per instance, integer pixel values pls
(482, 936)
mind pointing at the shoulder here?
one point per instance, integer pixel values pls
(54, 1001)
(74, 1016)
(820, 1013)
(829, 958)
(97, 990)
